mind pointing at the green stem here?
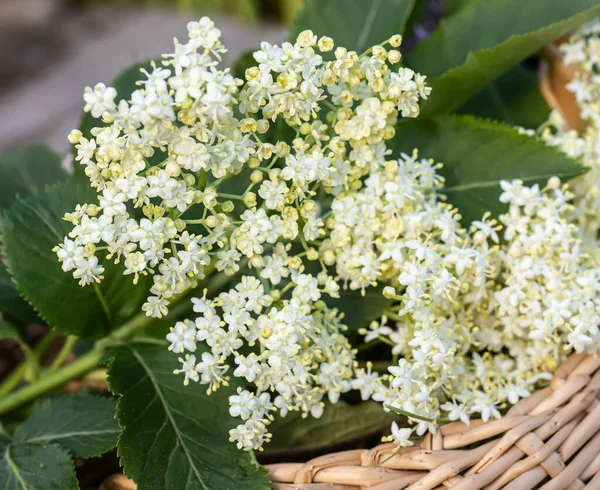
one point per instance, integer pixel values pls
(13, 380)
(103, 303)
(52, 381)
(202, 180)
(74, 370)
(64, 352)
(83, 365)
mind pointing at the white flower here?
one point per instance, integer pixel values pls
(87, 270)
(69, 253)
(182, 337)
(401, 436)
(99, 100)
(365, 381)
(456, 411)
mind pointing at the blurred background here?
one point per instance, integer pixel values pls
(50, 50)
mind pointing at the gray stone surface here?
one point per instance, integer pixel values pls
(100, 44)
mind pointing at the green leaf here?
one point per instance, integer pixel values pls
(174, 436)
(453, 6)
(242, 63)
(31, 228)
(477, 155)
(12, 305)
(84, 424)
(35, 467)
(28, 170)
(354, 24)
(484, 39)
(8, 331)
(340, 423)
(514, 98)
(360, 309)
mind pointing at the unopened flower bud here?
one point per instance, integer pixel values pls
(394, 56)
(93, 210)
(325, 44)
(179, 224)
(256, 176)
(389, 292)
(554, 182)
(173, 169)
(75, 136)
(189, 179)
(253, 162)
(396, 41)
(257, 261)
(312, 254)
(250, 200)
(262, 126)
(228, 206)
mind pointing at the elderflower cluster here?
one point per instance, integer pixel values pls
(475, 322)
(302, 352)
(582, 53)
(199, 172)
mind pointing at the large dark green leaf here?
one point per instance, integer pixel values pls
(84, 424)
(12, 305)
(360, 309)
(484, 39)
(514, 98)
(354, 24)
(477, 155)
(30, 229)
(35, 467)
(174, 437)
(340, 423)
(453, 6)
(27, 170)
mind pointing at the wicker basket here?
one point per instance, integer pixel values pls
(551, 438)
(554, 77)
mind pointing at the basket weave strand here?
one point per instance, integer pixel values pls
(550, 440)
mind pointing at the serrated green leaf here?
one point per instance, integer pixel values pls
(354, 24)
(478, 154)
(174, 436)
(30, 229)
(340, 423)
(514, 98)
(27, 170)
(84, 424)
(12, 305)
(35, 467)
(484, 39)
